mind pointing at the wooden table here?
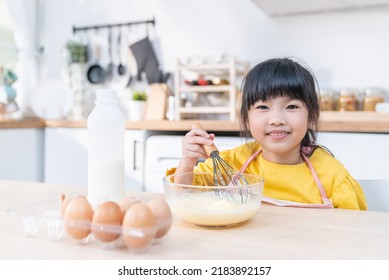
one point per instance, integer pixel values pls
(274, 233)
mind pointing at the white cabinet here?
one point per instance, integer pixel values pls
(66, 157)
(21, 154)
(376, 193)
(134, 159)
(226, 72)
(162, 152)
(365, 155)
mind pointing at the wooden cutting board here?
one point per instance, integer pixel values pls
(156, 102)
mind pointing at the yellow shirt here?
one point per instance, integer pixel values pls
(295, 182)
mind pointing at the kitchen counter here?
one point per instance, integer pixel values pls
(25, 123)
(274, 233)
(330, 121)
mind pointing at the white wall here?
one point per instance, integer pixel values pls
(345, 49)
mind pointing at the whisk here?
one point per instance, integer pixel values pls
(223, 173)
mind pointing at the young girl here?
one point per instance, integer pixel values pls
(280, 110)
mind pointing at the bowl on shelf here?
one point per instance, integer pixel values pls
(195, 199)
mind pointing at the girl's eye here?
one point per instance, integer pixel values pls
(261, 107)
(292, 107)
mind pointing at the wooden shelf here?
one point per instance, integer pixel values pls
(228, 70)
(354, 122)
(370, 122)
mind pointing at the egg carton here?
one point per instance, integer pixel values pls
(40, 220)
(37, 218)
(136, 240)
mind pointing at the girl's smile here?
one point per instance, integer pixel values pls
(279, 125)
(278, 134)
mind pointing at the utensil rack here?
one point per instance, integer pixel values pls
(83, 28)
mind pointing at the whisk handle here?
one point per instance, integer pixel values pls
(209, 149)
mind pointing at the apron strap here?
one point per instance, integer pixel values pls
(249, 160)
(315, 177)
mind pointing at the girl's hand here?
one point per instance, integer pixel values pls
(192, 148)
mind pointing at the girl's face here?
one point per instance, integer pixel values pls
(279, 125)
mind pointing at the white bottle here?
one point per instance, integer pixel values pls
(106, 128)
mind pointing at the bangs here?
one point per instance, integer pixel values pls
(276, 79)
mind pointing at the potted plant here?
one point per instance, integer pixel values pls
(137, 106)
(139, 96)
(77, 52)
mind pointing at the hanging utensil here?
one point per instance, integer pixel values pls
(96, 74)
(131, 62)
(121, 67)
(110, 64)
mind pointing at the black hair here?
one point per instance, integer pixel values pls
(281, 77)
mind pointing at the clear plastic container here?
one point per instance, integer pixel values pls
(106, 130)
(41, 220)
(112, 236)
(37, 219)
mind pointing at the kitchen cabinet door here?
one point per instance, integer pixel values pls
(21, 154)
(365, 155)
(134, 159)
(66, 157)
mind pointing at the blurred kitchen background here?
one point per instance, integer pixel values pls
(180, 60)
(346, 43)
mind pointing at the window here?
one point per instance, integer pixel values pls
(8, 51)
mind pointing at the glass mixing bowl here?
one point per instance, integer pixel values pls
(194, 198)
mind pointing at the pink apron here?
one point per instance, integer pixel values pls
(327, 203)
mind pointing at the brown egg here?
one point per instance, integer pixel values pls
(127, 202)
(77, 217)
(64, 203)
(106, 222)
(138, 226)
(162, 214)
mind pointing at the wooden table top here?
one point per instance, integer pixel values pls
(274, 233)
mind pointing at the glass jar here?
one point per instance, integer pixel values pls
(326, 100)
(372, 97)
(347, 100)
